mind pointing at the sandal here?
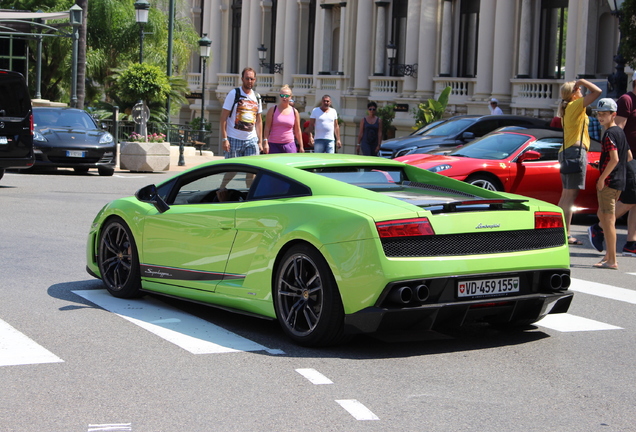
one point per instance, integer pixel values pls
(605, 265)
(574, 241)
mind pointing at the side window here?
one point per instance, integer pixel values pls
(269, 186)
(224, 186)
(481, 128)
(548, 148)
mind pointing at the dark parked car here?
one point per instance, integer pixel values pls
(456, 131)
(70, 138)
(16, 122)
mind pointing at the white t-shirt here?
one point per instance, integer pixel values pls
(496, 110)
(324, 123)
(242, 120)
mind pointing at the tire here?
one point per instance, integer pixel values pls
(118, 260)
(1, 172)
(106, 172)
(485, 181)
(306, 298)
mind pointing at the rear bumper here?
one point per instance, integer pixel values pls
(17, 162)
(526, 308)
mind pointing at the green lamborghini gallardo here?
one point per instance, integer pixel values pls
(333, 245)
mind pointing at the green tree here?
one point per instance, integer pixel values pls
(431, 110)
(628, 32)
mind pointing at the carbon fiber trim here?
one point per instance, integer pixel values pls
(158, 272)
(481, 243)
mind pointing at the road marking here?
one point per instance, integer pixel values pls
(572, 323)
(357, 410)
(18, 349)
(602, 290)
(314, 376)
(110, 427)
(184, 330)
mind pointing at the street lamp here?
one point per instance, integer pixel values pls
(204, 52)
(391, 53)
(262, 55)
(617, 82)
(75, 16)
(141, 16)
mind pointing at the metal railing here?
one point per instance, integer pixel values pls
(171, 130)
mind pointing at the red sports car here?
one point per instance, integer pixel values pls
(522, 161)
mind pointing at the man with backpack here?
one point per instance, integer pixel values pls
(241, 122)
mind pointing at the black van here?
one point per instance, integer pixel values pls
(16, 122)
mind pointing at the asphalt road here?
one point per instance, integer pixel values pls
(74, 359)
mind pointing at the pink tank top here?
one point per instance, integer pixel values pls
(282, 130)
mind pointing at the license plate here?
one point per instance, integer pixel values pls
(75, 153)
(4, 140)
(487, 287)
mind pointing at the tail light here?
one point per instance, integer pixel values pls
(31, 123)
(548, 220)
(405, 228)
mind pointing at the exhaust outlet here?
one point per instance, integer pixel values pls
(421, 293)
(565, 281)
(401, 295)
(556, 281)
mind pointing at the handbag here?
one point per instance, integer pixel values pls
(572, 165)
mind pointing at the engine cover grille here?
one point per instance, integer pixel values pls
(481, 243)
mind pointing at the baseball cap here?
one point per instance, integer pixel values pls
(606, 105)
(494, 100)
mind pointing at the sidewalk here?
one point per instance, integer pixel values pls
(191, 156)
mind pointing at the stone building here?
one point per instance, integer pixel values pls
(404, 52)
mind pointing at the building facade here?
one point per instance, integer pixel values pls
(403, 52)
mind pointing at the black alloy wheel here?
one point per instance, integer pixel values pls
(307, 301)
(118, 260)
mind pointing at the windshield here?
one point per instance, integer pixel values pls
(450, 128)
(496, 146)
(55, 117)
(428, 127)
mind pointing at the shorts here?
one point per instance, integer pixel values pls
(628, 196)
(282, 148)
(240, 148)
(576, 180)
(607, 198)
(324, 145)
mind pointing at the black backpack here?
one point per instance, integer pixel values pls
(237, 97)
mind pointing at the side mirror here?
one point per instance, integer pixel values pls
(148, 194)
(468, 136)
(530, 155)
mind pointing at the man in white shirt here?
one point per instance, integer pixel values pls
(241, 122)
(494, 107)
(324, 130)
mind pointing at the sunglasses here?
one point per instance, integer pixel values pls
(285, 96)
(371, 109)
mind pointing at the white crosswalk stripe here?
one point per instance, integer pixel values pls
(182, 329)
(17, 349)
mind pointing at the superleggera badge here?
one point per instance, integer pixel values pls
(156, 273)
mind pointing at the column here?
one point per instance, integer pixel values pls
(577, 34)
(446, 46)
(303, 37)
(254, 34)
(267, 20)
(212, 23)
(427, 49)
(525, 40)
(364, 36)
(412, 39)
(483, 86)
(341, 42)
(380, 37)
(503, 49)
(327, 39)
(290, 54)
(245, 43)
